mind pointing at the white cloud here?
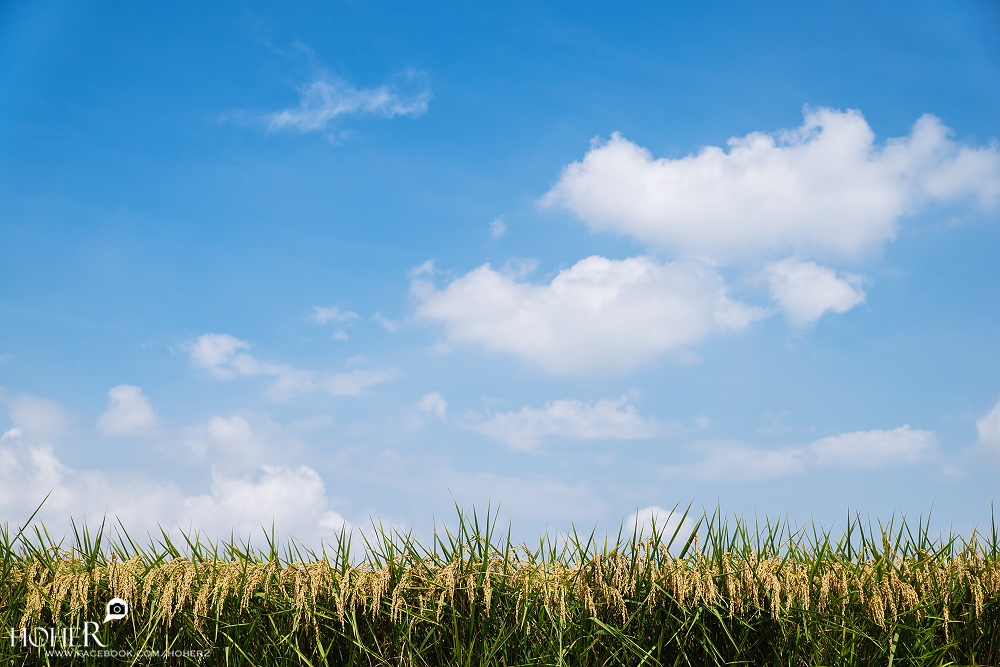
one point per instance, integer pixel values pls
(239, 500)
(128, 413)
(805, 290)
(434, 404)
(823, 189)
(215, 351)
(864, 450)
(497, 228)
(323, 100)
(988, 430)
(424, 269)
(321, 315)
(292, 497)
(860, 450)
(665, 522)
(604, 419)
(598, 315)
(220, 354)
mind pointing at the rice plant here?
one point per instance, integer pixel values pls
(723, 592)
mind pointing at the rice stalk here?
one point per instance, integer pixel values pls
(772, 593)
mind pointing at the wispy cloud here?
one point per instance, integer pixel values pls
(328, 97)
(353, 383)
(321, 315)
(222, 355)
(604, 419)
(497, 227)
(434, 404)
(389, 325)
(859, 450)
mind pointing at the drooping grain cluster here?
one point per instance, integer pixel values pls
(468, 587)
(604, 585)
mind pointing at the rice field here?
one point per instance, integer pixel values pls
(722, 591)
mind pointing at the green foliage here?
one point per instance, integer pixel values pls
(718, 592)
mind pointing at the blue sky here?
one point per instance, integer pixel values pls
(320, 262)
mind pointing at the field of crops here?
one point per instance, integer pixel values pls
(722, 591)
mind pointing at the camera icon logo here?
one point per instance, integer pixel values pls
(116, 609)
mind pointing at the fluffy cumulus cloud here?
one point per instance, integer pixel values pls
(327, 98)
(598, 315)
(225, 357)
(293, 497)
(806, 290)
(604, 419)
(129, 412)
(823, 189)
(860, 450)
(769, 204)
